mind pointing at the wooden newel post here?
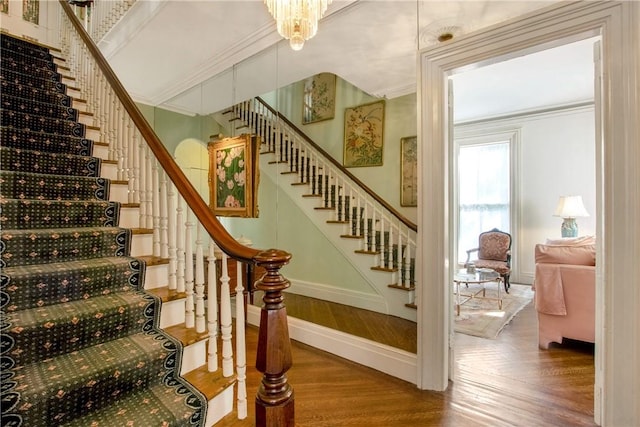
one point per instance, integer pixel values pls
(274, 400)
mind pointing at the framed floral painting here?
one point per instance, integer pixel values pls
(319, 101)
(409, 171)
(234, 175)
(363, 133)
(31, 11)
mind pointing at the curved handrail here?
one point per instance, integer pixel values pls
(218, 233)
(344, 170)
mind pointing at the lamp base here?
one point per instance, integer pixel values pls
(569, 228)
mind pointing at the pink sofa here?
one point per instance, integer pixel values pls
(564, 288)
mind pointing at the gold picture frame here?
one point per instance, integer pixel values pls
(319, 98)
(409, 171)
(31, 11)
(363, 135)
(234, 176)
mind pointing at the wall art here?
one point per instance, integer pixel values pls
(363, 135)
(234, 176)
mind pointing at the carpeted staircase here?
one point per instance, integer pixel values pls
(80, 343)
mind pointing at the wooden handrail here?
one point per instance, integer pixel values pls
(344, 170)
(218, 233)
(275, 406)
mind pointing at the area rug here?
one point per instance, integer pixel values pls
(482, 317)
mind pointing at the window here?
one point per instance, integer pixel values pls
(483, 192)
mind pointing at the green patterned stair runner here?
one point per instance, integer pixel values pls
(80, 342)
(25, 185)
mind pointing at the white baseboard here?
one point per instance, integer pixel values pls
(398, 363)
(339, 295)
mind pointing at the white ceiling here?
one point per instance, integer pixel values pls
(199, 57)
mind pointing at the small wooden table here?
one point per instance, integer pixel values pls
(481, 276)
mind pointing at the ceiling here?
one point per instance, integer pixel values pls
(199, 57)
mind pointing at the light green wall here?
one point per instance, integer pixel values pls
(172, 128)
(281, 224)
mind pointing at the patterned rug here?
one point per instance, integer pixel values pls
(80, 343)
(483, 318)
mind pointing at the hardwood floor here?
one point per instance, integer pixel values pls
(502, 382)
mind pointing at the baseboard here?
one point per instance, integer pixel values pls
(392, 361)
(338, 295)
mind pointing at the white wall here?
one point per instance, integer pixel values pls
(47, 30)
(556, 158)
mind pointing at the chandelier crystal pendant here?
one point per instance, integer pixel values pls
(297, 20)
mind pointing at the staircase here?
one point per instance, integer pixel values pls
(109, 316)
(377, 240)
(80, 335)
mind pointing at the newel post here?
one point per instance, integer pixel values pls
(274, 400)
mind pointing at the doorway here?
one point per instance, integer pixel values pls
(507, 173)
(618, 23)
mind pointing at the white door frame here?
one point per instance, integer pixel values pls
(618, 204)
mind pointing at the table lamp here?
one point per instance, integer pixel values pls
(569, 208)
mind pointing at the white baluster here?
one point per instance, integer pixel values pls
(199, 282)
(188, 272)
(180, 249)
(132, 148)
(135, 180)
(142, 176)
(212, 310)
(164, 216)
(388, 250)
(225, 320)
(407, 276)
(171, 195)
(241, 352)
(365, 227)
(149, 188)
(155, 195)
(399, 252)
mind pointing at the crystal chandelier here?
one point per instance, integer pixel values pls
(297, 20)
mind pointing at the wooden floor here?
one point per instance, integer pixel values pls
(502, 382)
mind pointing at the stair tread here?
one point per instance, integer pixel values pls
(209, 383)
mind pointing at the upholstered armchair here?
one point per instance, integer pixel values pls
(494, 251)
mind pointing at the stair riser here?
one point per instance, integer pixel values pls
(172, 313)
(86, 119)
(109, 171)
(119, 192)
(220, 406)
(129, 217)
(141, 244)
(101, 151)
(156, 276)
(79, 105)
(93, 134)
(194, 356)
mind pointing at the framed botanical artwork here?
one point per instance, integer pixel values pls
(319, 101)
(31, 11)
(234, 175)
(363, 135)
(409, 171)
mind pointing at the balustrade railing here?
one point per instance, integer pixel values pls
(173, 211)
(381, 229)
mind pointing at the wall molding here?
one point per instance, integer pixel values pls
(392, 361)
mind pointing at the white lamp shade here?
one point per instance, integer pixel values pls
(570, 207)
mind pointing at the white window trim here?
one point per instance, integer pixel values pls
(488, 135)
